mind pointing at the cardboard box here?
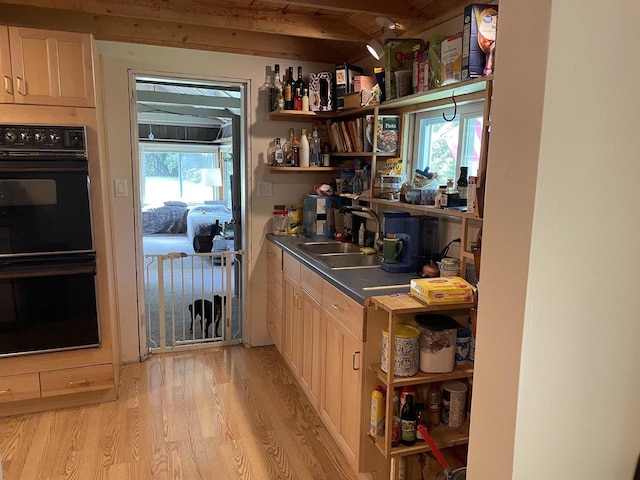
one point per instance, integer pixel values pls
(321, 92)
(387, 133)
(451, 60)
(442, 290)
(345, 74)
(480, 25)
(435, 44)
(398, 56)
(315, 210)
(423, 71)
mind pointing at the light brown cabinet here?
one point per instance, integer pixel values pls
(42, 67)
(274, 294)
(312, 331)
(292, 313)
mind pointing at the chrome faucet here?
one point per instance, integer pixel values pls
(366, 212)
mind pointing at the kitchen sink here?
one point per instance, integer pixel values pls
(349, 260)
(319, 248)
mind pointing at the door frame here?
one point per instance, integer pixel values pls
(239, 195)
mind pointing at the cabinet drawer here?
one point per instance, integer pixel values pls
(274, 256)
(348, 312)
(76, 380)
(291, 267)
(19, 387)
(311, 283)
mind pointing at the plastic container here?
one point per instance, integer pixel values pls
(454, 403)
(406, 352)
(376, 426)
(437, 343)
(403, 82)
(463, 339)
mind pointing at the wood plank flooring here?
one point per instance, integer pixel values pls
(226, 413)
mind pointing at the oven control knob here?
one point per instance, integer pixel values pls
(10, 137)
(55, 138)
(25, 137)
(40, 137)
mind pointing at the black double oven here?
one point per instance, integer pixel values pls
(47, 259)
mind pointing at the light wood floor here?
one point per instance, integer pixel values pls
(230, 413)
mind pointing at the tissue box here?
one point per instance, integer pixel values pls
(442, 290)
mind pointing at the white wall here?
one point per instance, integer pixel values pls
(116, 59)
(557, 369)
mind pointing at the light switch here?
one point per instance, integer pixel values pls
(120, 185)
(265, 189)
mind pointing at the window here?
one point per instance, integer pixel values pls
(442, 147)
(174, 171)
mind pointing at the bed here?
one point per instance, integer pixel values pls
(170, 217)
(201, 218)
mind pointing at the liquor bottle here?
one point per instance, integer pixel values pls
(305, 100)
(287, 147)
(315, 150)
(295, 152)
(278, 154)
(408, 421)
(297, 100)
(276, 88)
(300, 84)
(304, 149)
(434, 404)
(289, 90)
(463, 184)
(271, 152)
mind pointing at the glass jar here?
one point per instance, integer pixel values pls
(449, 267)
(280, 221)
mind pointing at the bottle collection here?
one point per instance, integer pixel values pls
(428, 405)
(298, 150)
(286, 93)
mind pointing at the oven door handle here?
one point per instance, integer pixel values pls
(44, 272)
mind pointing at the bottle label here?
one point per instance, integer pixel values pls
(408, 433)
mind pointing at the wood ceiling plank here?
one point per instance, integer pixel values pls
(395, 9)
(122, 29)
(193, 12)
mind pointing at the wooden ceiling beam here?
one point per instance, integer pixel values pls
(194, 12)
(396, 9)
(133, 30)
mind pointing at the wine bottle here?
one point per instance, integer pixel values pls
(289, 90)
(276, 88)
(463, 184)
(300, 83)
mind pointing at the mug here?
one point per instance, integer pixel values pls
(391, 248)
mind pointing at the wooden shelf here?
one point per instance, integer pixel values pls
(365, 154)
(442, 435)
(398, 304)
(461, 371)
(423, 208)
(292, 116)
(303, 169)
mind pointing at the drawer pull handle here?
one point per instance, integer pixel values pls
(77, 382)
(337, 307)
(5, 392)
(353, 361)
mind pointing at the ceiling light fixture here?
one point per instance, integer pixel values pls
(375, 49)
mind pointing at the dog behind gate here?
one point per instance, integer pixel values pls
(209, 313)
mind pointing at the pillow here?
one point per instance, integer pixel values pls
(175, 203)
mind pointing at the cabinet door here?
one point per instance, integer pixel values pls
(342, 387)
(52, 68)
(6, 94)
(311, 348)
(274, 323)
(292, 324)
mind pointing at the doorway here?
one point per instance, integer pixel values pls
(189, 229)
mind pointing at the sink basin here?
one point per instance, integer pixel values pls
(350, 260)
(319, 248)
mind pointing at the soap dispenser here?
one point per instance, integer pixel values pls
(361, 235)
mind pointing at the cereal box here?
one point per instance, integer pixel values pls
(398, 56)
(451, 60)
(478, 39)
(442, 290)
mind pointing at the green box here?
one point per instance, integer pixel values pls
(398, 56)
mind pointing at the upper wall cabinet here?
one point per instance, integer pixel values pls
(42, 67)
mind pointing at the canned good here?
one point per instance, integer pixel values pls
(454, 397)
(406, 351)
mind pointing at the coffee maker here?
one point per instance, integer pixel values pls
(419, 236)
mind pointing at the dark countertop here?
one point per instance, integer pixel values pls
(353, 282)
